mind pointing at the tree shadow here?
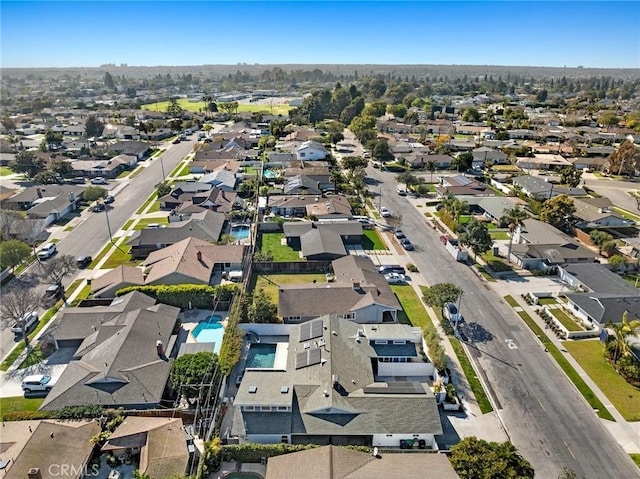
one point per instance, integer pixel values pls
(476, 333)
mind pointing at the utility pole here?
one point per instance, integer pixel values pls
(162, 166)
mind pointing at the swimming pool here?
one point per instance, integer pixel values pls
(270, 174)
(210, 331)
(261, 356)
(240, 231)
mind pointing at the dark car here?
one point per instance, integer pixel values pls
(176, 141)
(391, 268)
(406, 244)
(399, 234)
(108, 199)
(83, 261)
(52, 294)
(98, 207)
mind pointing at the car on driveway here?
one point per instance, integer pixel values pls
(395, 278)
(398, 233)
(83, 261)
(38, 383)
(29, 321)
(52, 294)
(384, 212)
(406, 244)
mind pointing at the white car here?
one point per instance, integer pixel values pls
(99, 180)
(38, 383)
(450, 312)
(47, 251)
(395, 278)
(384, 212)
(29, 321)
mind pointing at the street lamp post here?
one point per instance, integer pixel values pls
(162, 166)
(106, 215)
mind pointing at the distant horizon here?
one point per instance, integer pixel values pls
(544, 34)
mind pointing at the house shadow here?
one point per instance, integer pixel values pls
(449, 436)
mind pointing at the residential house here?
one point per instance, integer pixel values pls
(462, 185)
(192, 261)
(138, 149)
(279, 158)
(39, 453)
(541, 161)
(206, 225)
(119, 360)
(491, 207)
(46, 202)
(461, 145)
(334, 462)
(338, 382)
(599, 295)
(540, 246)
(541, 188)
(212, 198)
(324, 240)
(442, 162)
(208, 166)
(123, 276)
(160, 443)
(222, 179)
(484, 155)
(593, 213)
(232, 152)
(359, 293)
(321, 207)
(105, 168)
(310, 151)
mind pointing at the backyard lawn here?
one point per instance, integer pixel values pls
(625, 397)
(371, 240)
(271, 243)
(270, 282)
(19, 403)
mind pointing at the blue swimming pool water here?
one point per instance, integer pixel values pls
(270, 174)
(240, 231)
(261, 356)
(210, 332)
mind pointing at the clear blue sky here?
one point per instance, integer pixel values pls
(543, 33)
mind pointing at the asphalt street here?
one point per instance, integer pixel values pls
(544, 415)
(91, 235)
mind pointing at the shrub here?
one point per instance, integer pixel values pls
(412, 268)
(88, 411)
(27, 415)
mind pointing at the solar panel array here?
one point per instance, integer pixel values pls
(311, 330)
(308, 358)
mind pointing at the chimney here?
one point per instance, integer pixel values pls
(39, 193)
(159, 348)
(34, 473)
(356, 285)
(199, 255)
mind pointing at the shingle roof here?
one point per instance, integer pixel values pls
(206, 226)
(119, 363)
(600, 279)
(117, 278)
(604, 307)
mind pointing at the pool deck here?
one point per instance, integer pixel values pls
(229, 467)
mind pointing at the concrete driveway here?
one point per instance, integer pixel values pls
(54, 365)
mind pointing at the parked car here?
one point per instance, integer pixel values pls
(391, 268)
(52, 294)
(98, 180)
(108, 199)
(401, 191)
(398, 233)
(406, 244)
(395, 278)
(155, 226)
(78, 180)
(47, 251)
(29, 321)
(330, 277)
(176, 141)
(98, 207)
(384, 212)
(38, 383)
(83, 261)
(450, 312)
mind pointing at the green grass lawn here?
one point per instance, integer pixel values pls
(34, 357)
(371, 240)
(136, 172)
(144, 222)
(635, 458)
(625, 397)
(626, 214)
(128, 224)
(496, 263)
(200, 105)
(633, 279)
(571, 373)
(4, 171)
(124, 174)
(270, 282)
(101, 255)
(547, 301)
(19, 403)
(499, 235)
(185, 170)
(146, 203)
(120, 256)
(476, 386)
(271, 243)
(566, 321)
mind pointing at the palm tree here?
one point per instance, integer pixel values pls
(207, 99)
(431, 167)
(459, 208)
(513, 217)
(621, 331)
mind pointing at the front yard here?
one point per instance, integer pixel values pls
(145, 222)
(19, 403)
(590, 356)
(272, 243)
(371, 240)
(565, 319)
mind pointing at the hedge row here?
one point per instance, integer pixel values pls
(252, 452)
(198, 296)
(90, 411)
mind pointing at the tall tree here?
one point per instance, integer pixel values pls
(57, 268)
(262, 309)
(93, 193)
(558, 212)
(477, 237)
(353, 162)
(513, 218)
(93, 127)
(431, 167)
(174, 110)
(12, 253)
(474, 458)
(621, 331)
(8, 123)
(625, 160)
(108, 81)
(437, 295)
(571, 176)
(599, 238)
(28, 163)
(15, 305)
(191, 372)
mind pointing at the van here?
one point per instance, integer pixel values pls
(391, 268)
(47, 251)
